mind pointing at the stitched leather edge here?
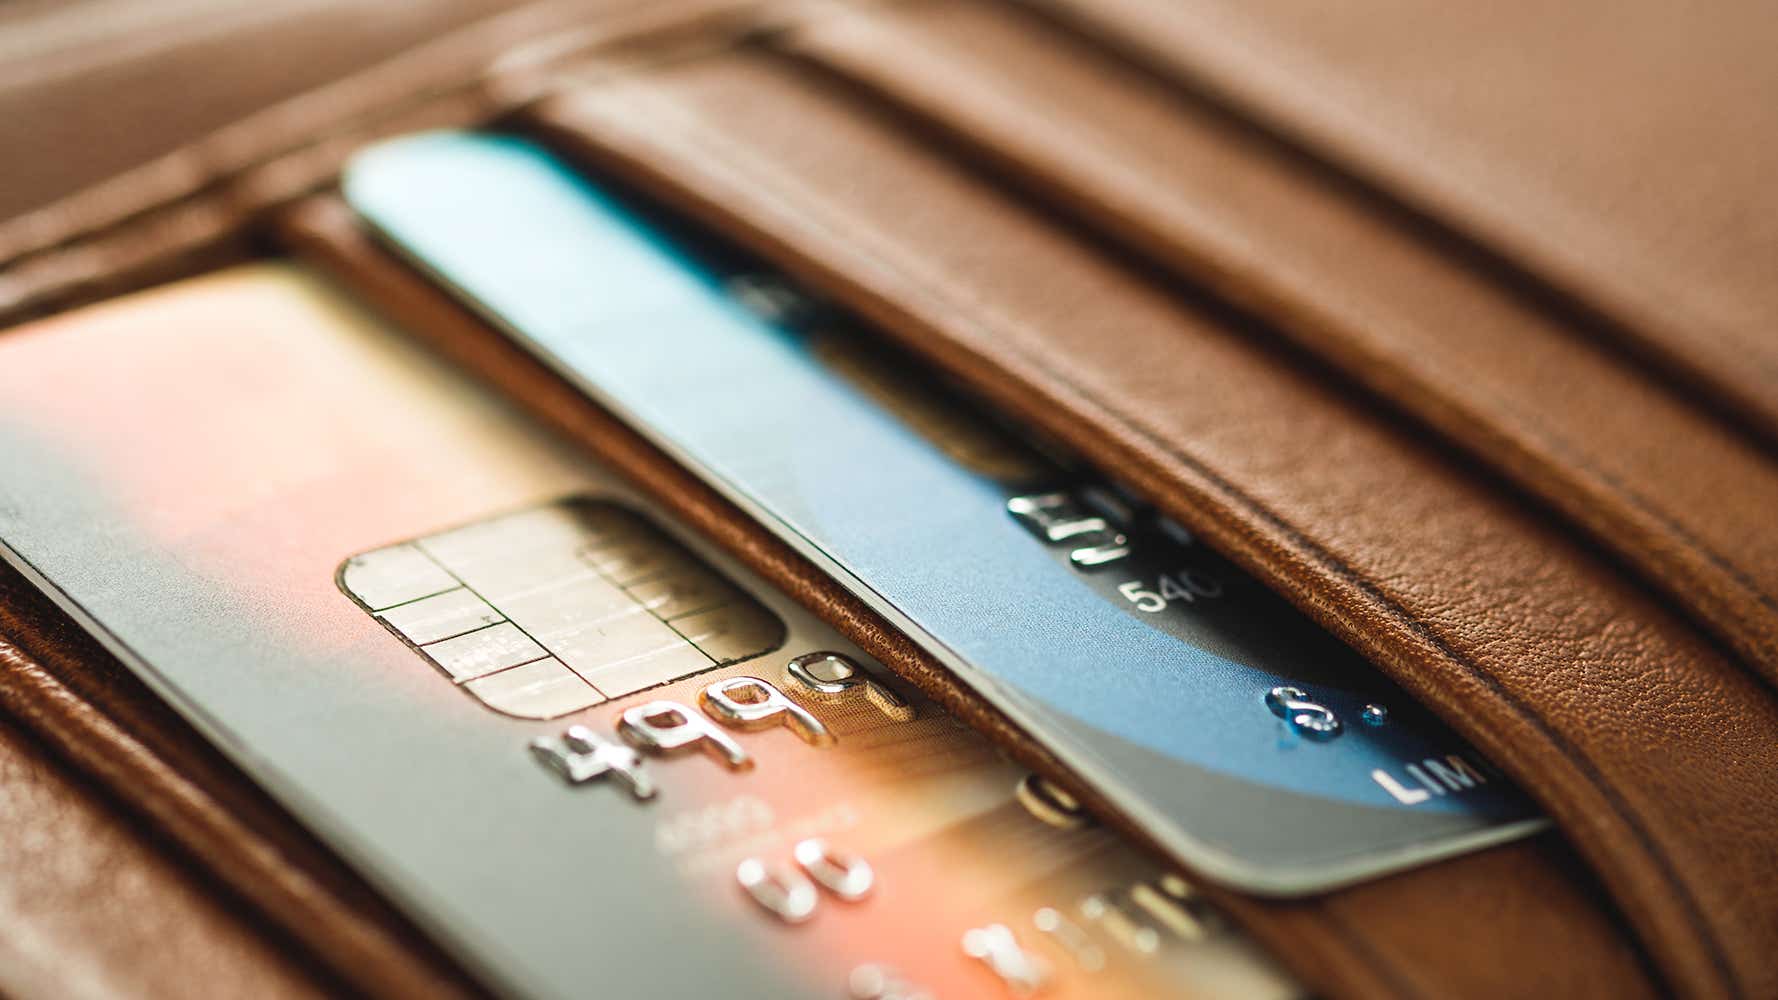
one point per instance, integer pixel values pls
(952, 99)
(1328, 940)
(1140, 31)
(324, 230)
(554, 117)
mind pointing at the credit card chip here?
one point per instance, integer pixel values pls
(557, 608)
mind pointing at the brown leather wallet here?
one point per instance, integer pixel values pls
(1448, 324)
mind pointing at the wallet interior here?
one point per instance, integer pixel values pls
(1497, 446)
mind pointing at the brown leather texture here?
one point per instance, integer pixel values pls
(1619, 152)
(94, 714)
(1446, 322)
(89, 91)
(94, 908)
(196, 206)
(1641, 738)
(1490, 364)
(178, 849)
(1390, 938)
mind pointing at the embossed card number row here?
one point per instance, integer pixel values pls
(561, 607)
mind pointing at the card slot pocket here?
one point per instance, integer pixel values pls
(198, 207)
(1636, 733)
(92, 712)
(1388, 938)
(1614, 156)
(1667, 486)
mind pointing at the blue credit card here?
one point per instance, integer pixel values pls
(1242, 737)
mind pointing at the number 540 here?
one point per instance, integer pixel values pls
(1186, 585)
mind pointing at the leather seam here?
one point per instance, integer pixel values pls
(1377, 961)
(1278, 110)
(1143, 186)
(1405, 619)
(1662, 349)
(728, 157)
(182, 811)
(692, 500)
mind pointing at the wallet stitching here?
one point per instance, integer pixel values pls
(734, 153)
(1143, 185)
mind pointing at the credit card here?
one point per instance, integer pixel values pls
(1249, 742)
(586, 752)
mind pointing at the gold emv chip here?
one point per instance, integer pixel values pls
(557, 608)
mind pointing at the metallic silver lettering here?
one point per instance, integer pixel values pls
(1173, 904)
(847, 876)
(783, 892)
(1124, 927)
(1087, 954)
(1458, 776)
(1306, 717)
(751, 703)
(667, 727)
(996, 947)
(579, 755)
(835, 679)
(1044, 800)
(1418, 775)
(1406, 796)
(1109, 547)
(1060, 518)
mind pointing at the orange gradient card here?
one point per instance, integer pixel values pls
(586, 751)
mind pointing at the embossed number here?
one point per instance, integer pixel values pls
(1146, 601)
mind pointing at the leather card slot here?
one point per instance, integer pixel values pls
(93, 899)
(1622, 156)
(87, 707)
(1653, 752)
(198, 206)
(1397, 937)
(1673, 490)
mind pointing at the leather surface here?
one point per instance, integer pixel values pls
(193, 207)
(89, 89)
(1668, 486)
(94, 714)
(162, 884)
(94, 909)
(284, 917)
(1653, 751)
(1402, 937)
(1621, 151)
(1343, 288)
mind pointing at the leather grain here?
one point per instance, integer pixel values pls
(1666, 485)
(1399, 229)
(86, 707)
(1620, 151)
(194, 207)
(1408, 936)
(94, 909)
(87, 93)
(1654, 752)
